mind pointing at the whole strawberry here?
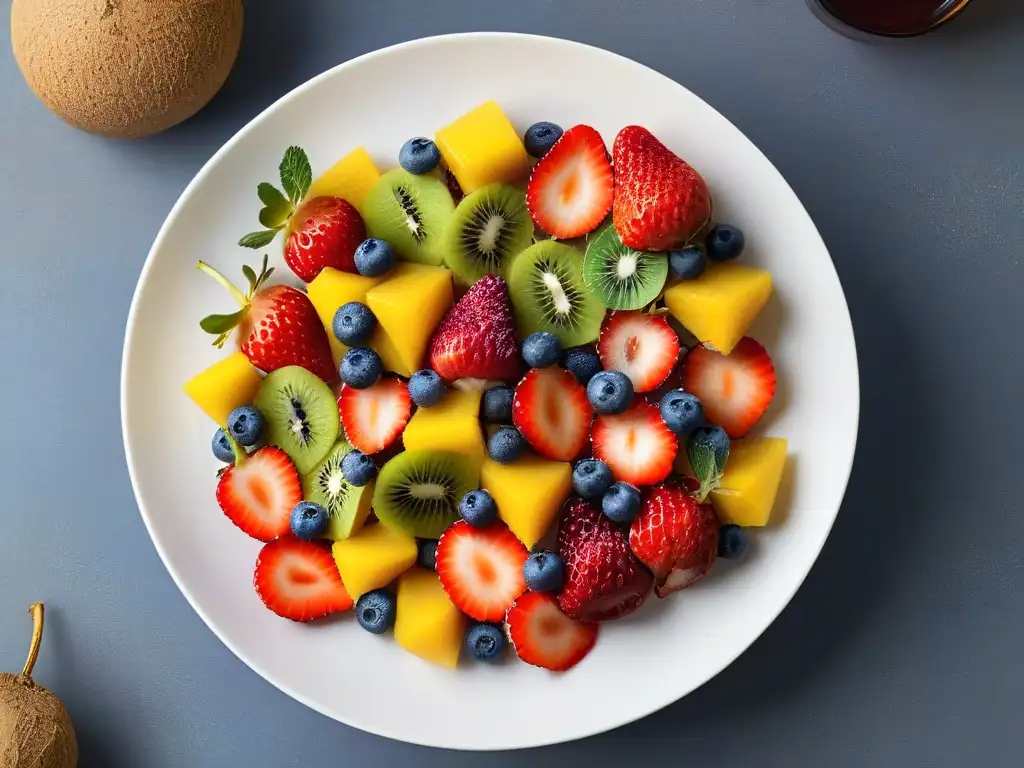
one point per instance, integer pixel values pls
(660, 201)
(477, 338)
(319, 232)
(603, 580)
(277, 325)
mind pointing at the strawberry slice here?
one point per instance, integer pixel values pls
(373, 418)
(636, 444)
(298, 580)
(544, 636)
(571, 190)
(735, 389)
(642, 346)
(258, 493)
(481, 569)
(552, 411)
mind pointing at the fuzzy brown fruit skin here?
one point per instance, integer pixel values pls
(35, 729)
(125, 68)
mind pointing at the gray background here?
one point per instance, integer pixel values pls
(903, 647)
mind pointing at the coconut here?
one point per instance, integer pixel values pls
(125, 68)
(35, 730)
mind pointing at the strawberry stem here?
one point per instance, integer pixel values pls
(241, 298)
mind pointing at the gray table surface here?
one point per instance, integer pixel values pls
(903, 647)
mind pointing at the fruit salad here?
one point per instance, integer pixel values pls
(512, 401)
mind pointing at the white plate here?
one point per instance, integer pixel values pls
(640, 664)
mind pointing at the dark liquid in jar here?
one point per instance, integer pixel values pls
(892, 17)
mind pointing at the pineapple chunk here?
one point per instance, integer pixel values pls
(528, 492)
(350, 178)
(372, 558)
(451, 425)
(329, 290)
(482, 148)
(719, 306)
(427, 623)
(750, 482)
(224, 386)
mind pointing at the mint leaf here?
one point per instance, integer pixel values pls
(277, 208)
(296, 174)
(708, 451)
(269, 194)
(258, 239)
(219, 325)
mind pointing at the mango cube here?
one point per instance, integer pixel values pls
(409, 304)
(719, 306)
(750, 482)
(451, 425)
(482, 148)
(224, 386)
(329, 290)
(528, 492)
(373, 558)
(350, 178)
(427, 624)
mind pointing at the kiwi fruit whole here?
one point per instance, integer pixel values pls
(125, 68)
(548, 294)
(347, 506)
(418, 492)
(410, 212)
(301, 415)
(489, 228)
(621, 277)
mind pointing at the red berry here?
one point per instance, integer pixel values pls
(636, 444)
(735, 389)
(481, 569)
(259, 494)
(323, 232)
(642, 346)
(374, 418)
(544, 636)
(552, 412)
(299, 580)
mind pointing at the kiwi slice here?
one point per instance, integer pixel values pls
(411, 213)
(489, 227)
(301, 414)
(347, 506)
(418, 492)
(620, 277)
(548, 294)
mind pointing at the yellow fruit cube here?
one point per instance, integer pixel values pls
(332, 288)
(451, 425)
(750, 482)
(482, 148)
(224, 386)
(389, 354)
(528, 492)
(409, 304)
(719, 306)
(427, 624)
(373, 558)
(350, 178)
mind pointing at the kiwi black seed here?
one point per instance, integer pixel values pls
(489, 228)
(621, 277)
(347, 506)
(301, 415)
(418, 492)
(410, 212)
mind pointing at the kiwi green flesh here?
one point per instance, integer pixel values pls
(621, 277)
(347, 506)
(301, 415)
(410, 212)
(548, 294)
(418, 492)
(489, 228)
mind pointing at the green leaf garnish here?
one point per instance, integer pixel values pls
(708, 451)
(296, 174)
(221, 324)
(270, 195)
(250, 276)
(258, 239)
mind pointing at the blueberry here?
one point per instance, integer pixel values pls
(544, 571)
(222, 447)
(541, 137)
(375, 257)
(485, 641)
(478, 509)
(681, 411)
(497, 405)
(426, 553)
(246, 424)
(541, 350)
(360, 368)
(506, 445)
(354, 323)
(358, 468)
(610, 392)
(419, 156)
(583, 363)
(426, 388)
(375, 611)
(621, 503)
(687, 263)
(591, 478)
(715, 437)
(724, 242)
(732, 541)
(309, 520)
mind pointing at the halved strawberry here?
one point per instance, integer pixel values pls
(735, 389)
(481, 569)
(258, 493)
(636, 444)
(642, 346)
(544, 636)
(373, 418)
(552, 411)
(298, 580)
(571, 191)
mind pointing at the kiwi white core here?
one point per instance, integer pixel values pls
(488, 240)
(558, 298)
(428, 491)
(626, 267)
